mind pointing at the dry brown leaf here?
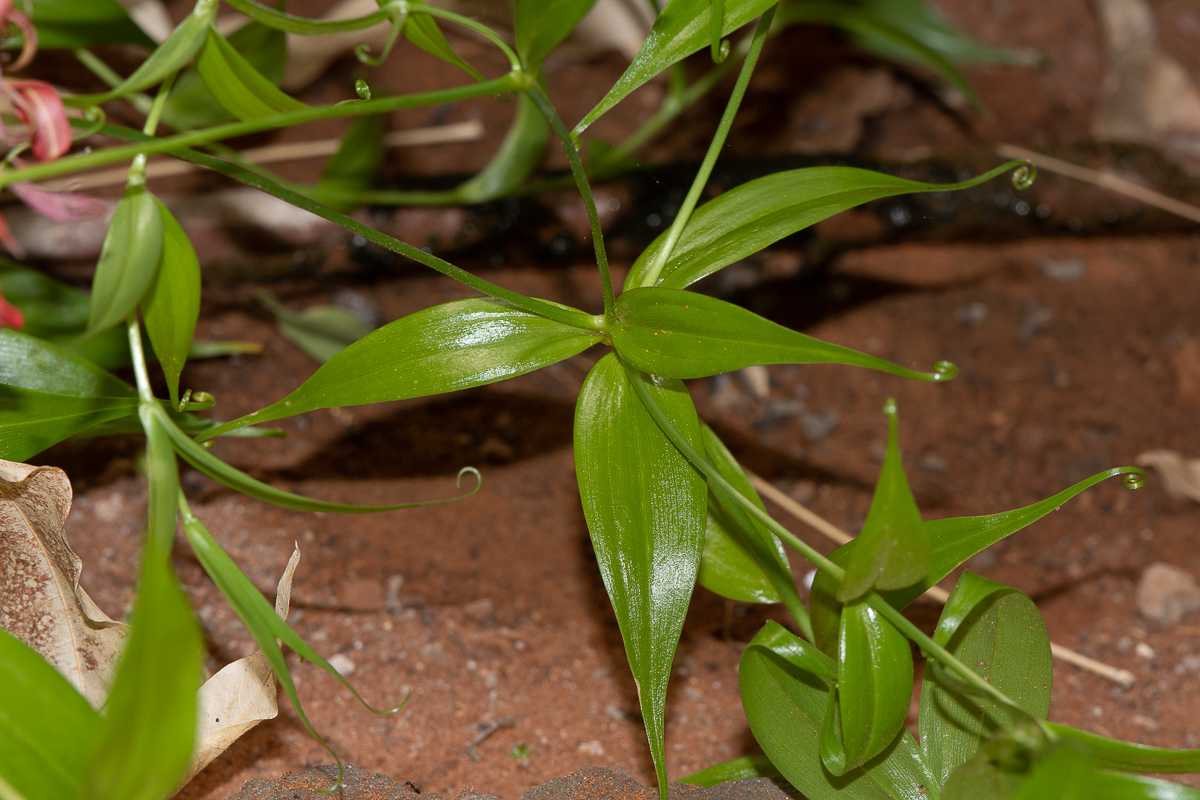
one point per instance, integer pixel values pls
(1181, 476)
(241, 695)
(41, 601)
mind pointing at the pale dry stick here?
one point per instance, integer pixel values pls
(469, 131)
(1123, 677)
(1103, 179)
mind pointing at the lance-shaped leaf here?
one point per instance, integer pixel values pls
(758, 213)
(518, 156)
(541, 25)
(321, 331)
(999, 633)
(451, 346)
(171, 305)
(952, 541)
(785, 683)
(169, 57)
(735, 769)
(682, 28)
(874, 689)
(47, 729)
(423, 31)
(237, 85)
(192, 106)
(128, 260)
(355, 165)
(1113, 754)
(742, 559)
(680, 334)
(71, 24)
(31, 363)
(145, 739)
(644, 505)
(31, 421)
(893, 548)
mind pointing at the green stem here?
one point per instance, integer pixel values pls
(567, 316)
(283, 21)
(359, 108)
(105, 73)
(589, 202)
(714, 149)
(822, 563)
(138, 355)
(514, 61)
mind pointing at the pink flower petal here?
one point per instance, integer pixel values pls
(10, 316)
(39, 107)
(10, 243)
(60, 206)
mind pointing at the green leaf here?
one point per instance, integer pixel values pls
(146, 736)
(1121, 756)
(952, 541)
(736, 769)
(58, 313)
(785, 683)
(644, 505)
(742, 560)
(168, 58)
(518, 156)
(999, 633)
(758, 213)
(320, 331)
(541, 25)
(31, 421)
(1110, 786)
(171, 305)
(893, 548)
(71, 24)
(874, 689)
(450, 346)
(128, 260)
(200, 458)
(682, 28)
(680, 334)
(191, 105)
(30, 363)
(423, 31)
(47, 729)
(259, 617)
(355, 165)
(237, 85)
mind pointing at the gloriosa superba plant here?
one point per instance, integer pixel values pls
(666, 503)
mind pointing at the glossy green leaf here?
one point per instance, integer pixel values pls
(742, 560)
(191, 105)
(681, 334)
(31, 363)
(171, 305)
(58, 313)
(71, 24)
(758, 213)
(145, 740)
(644, 505)
(31, 421)
(203, 460)
(237, 85)
(682, 28)
(423, 31)
(952, 541)
(1113, 754)
(355, 165)
(736, 769)
(874, 689)
(128, 260)
(922, 22)
(518, 156)
(785, 683)
(320, 331)
(999, 633)
(259, 617)
(168, 58)
(451, 346)
(1111, 786)
(878, 30)
(540, 26)
(1063, 774)
(893, 548)
(47, 729)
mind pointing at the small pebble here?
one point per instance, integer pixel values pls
(342, 663)
(1165, 594)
